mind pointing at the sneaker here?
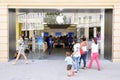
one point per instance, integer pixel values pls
(99, 69)
(83, 67)
(75, 71)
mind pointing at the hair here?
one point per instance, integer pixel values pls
(75, 41)
(95, 40)
(83, 39)
(68, 54)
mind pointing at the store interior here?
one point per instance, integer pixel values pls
(60, 23)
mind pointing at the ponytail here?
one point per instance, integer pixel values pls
(95, 40)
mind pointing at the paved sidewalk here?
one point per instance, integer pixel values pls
(56, 70)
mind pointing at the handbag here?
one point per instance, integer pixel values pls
(81, 51)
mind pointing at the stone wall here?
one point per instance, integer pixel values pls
(116, 33)
(57, 1)
(3, 33)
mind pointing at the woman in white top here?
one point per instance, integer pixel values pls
(76, 55)
(83, 45)
(21, 49)
(94, 53)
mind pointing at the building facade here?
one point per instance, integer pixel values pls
(112, 28)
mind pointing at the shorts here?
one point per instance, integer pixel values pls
(69, 67)
(21, 51)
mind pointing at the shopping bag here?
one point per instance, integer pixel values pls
(81, 51)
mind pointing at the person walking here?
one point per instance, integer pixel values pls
(94, 53)
(83, 45)
(70, 42)
(21, 49)
(70, 64)
(50, 44)
(76, 55)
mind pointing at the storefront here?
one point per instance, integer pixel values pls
(109, 25)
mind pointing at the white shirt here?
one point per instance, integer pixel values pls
(94, 48)
(20, 44)
(69, 60)
(84, 48)
(76, 50)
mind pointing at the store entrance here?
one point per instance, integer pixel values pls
(35, 25)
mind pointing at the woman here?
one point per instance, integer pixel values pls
(76, 56)
(94, 53)
(83, 45)
(21, 50)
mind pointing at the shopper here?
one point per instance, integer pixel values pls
(94, 53)
(70, 64)
(70, 42)
(50, 44)
(83, 45)
(76, 55)
(21, 49)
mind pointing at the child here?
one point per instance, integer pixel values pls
(69, 62)
(94, 53)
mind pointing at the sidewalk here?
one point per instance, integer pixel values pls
(56, 70)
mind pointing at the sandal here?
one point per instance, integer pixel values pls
(26, 62)
(14, 63)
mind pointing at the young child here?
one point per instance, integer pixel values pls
(69, 61)
(94, 53)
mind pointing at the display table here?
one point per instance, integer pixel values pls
(55, 44)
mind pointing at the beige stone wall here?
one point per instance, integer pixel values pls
(3, 33)
(59, 3)
(53, 1)
(116, 33)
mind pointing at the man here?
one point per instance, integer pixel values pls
(50, 44)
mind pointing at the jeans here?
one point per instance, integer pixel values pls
(76, 64)
(50, 50)
(84, 58)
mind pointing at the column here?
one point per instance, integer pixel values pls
(102, 32)
(4, 33)
(116, 33)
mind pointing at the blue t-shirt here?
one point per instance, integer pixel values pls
(70, 40)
